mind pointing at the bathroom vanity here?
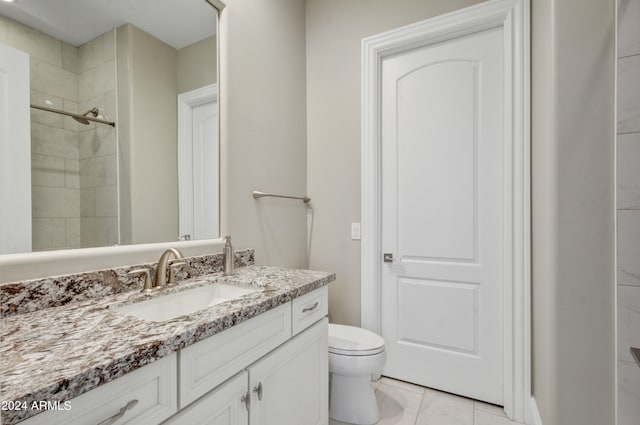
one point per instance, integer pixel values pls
(260, 358)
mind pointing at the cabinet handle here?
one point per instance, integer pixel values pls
(120, 414)
(313, 307)
(246, 399)
(258, 390)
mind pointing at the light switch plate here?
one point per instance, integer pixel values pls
(355, 231)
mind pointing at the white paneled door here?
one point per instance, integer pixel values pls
(206, 221)
(442, 203)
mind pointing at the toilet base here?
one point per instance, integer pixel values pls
(353, 400)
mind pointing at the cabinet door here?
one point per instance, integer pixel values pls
(222, 406)
(290, 385)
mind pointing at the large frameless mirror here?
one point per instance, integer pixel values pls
(123, 121)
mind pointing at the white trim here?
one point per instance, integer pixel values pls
(513, 16)
(15, 152)
(533, 417)
(186, 102)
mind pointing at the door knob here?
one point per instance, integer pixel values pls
(387, 257)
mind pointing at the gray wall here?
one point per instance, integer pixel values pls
(573, 210)
(628, 199)
(197, 64)
(335, 29)
(147, 137)
(263, 127)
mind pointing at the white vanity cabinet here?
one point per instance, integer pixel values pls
(287, 385)
(270, 370)
(146, 396)
(222, 406)
(290, 385)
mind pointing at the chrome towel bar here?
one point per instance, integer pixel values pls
(257, 194)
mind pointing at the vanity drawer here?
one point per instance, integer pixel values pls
(208, 363)
(153, 386)
(308, 309)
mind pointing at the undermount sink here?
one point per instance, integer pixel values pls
(189, 301)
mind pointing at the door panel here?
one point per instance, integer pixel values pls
(293, 381)
(205, 172)
(442, 215)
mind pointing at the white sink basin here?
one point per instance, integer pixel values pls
(177, 304)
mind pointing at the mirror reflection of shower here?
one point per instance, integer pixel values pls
(93, 111)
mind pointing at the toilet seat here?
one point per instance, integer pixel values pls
(352, 341)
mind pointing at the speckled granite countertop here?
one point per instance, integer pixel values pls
(58, 353)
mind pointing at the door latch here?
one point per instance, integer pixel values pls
(387, 257)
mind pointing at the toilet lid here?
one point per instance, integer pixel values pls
(349, 340)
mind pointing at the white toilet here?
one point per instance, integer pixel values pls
(355, 355)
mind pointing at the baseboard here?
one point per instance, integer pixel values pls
(533, 414)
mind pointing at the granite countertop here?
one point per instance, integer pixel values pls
(58, 353)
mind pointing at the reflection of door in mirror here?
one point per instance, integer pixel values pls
(198, 148)
(94, 184)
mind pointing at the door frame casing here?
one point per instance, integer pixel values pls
(513, 17)
(186, 102)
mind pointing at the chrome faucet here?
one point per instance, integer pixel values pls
(161, 269)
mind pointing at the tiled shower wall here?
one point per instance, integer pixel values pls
(628, 193)
(54, 138)
(98, 143)
(73, 167)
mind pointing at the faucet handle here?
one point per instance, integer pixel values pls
(147, 278)
(173, 266)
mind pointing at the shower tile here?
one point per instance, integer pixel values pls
(70, 58)
(628, 178)
(90, 54)
(88, 202)
(55, 202)
(629, 94)
(628, 27)
(104, 77)
(53, 141)
(71, 173)
(87, 232)
(106, 201)
(48, 233)
(628, 393)
(85, 85)
(109, 47)
(47, 171)
(73, 232)
(628, 247)
(49, 79)
(445, 409)
(628, 321)
(70, 123)
(44, 117)
(35, 43)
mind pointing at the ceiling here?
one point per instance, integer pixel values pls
(176, 22)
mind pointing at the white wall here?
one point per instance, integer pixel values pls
(573, 211)
(263, 127)
(628, 200)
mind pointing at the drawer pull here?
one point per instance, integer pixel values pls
(120, 414)
(313, 307)
(258, 390)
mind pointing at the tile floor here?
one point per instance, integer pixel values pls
(401, 403)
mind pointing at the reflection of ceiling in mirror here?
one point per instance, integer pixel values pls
(78, 21)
